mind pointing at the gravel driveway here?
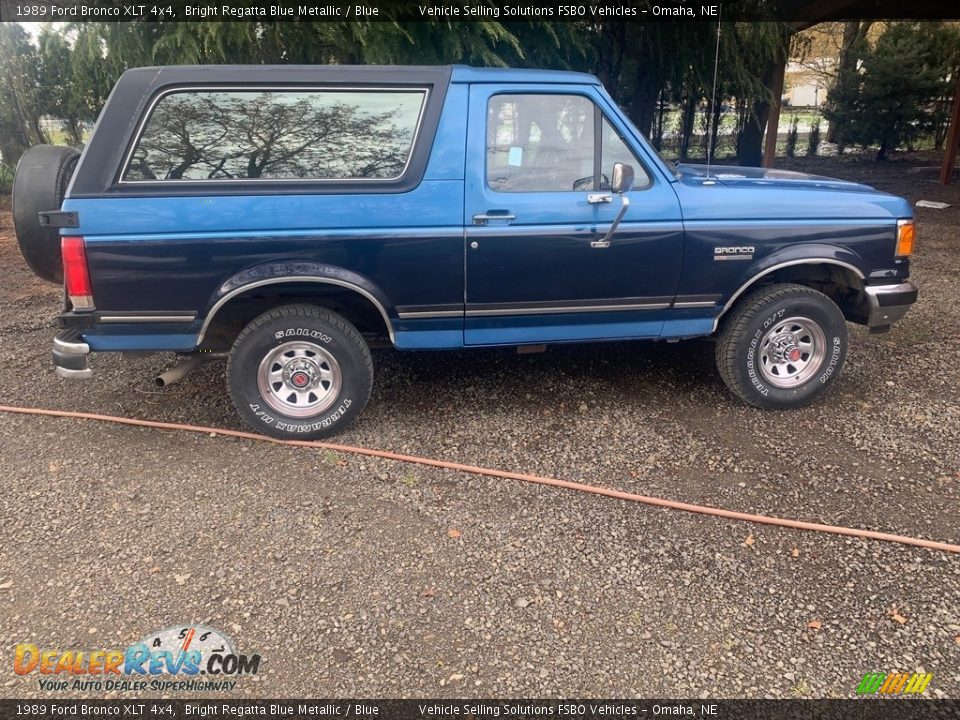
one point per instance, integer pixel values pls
(360, 577)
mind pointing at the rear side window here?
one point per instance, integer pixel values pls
(277, 135)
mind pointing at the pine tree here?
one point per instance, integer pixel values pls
(892, 99)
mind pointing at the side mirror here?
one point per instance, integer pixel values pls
(622, 178)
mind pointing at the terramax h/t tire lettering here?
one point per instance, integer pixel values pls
(782, 346)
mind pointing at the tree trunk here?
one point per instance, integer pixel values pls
(610, 61)
(23, 130)
(743, 116)
(882, 152)
(688, 115)
(714, 131)
(73, 131)
(658, 136)
(643, 104)
(751, 139)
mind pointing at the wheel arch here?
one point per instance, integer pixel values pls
(325, 286)
(840, 280)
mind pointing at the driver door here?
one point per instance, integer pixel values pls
(537, 200)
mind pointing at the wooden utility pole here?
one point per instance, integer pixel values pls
(953, 138)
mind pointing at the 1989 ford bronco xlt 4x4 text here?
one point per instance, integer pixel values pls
(291, 215)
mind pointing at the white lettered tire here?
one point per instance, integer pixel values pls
(782, 346)
(299, 372)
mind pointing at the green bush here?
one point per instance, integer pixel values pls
(792, 136)
(813, 140)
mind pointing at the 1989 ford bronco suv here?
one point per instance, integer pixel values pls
(293, 215)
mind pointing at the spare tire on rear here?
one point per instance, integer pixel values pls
(40, 185)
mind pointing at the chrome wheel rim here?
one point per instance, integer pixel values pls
(299, 379)
(792, 351)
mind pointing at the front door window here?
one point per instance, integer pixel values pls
(550, 143)
(538, 143)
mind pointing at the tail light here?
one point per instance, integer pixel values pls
(906, 233)
(75, 274)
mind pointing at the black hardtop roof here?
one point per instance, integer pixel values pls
(307, 74)
(339, 74)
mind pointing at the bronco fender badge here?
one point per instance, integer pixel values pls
(744, 252)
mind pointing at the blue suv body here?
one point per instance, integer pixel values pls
(295, 215)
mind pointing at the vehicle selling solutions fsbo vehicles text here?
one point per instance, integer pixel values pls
(466, 12)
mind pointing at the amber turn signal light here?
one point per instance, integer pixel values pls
(906, 232)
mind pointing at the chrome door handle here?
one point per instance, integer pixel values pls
(599, 198)
(484, 218)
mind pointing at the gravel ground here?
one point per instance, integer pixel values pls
(357, 577)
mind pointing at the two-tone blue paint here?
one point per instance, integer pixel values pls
(533, 279)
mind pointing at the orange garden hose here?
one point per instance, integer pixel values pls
(538, 479)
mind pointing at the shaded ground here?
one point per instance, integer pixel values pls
(343, 572)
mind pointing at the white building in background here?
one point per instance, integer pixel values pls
(805, 86)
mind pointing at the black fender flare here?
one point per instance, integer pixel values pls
(802, 254)
(278, 273)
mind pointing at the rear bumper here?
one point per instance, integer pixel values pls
(889, 303)
(70, 356)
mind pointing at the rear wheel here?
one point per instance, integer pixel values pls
(40, 184)
(299, 371)
(782, 347)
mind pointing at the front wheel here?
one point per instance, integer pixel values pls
(299, 372)
(783, 346)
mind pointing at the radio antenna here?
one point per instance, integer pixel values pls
(713, 96)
